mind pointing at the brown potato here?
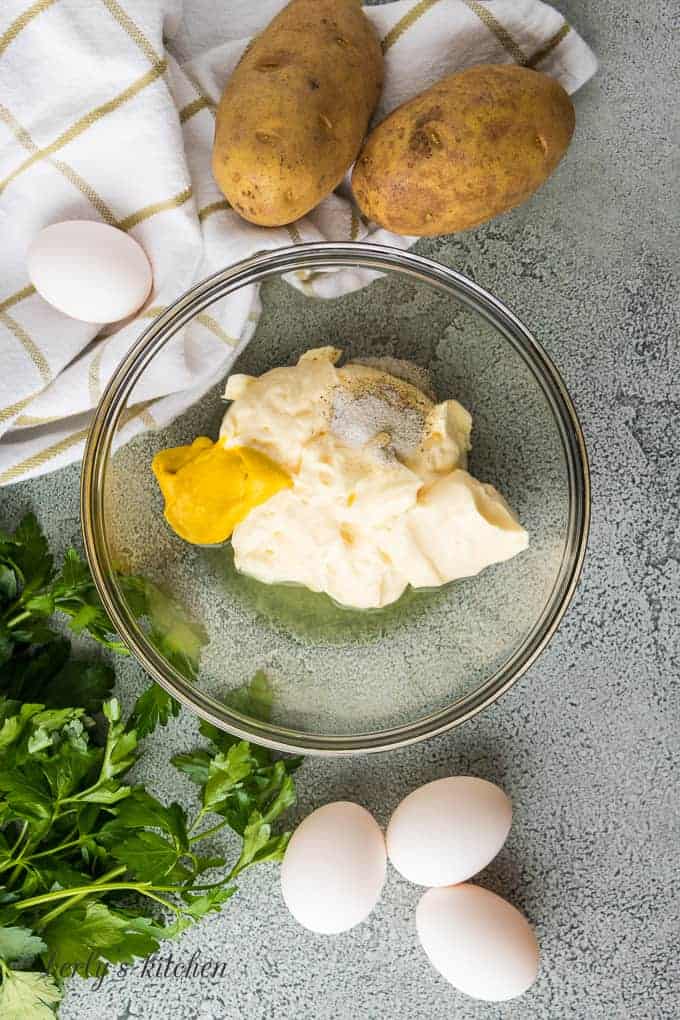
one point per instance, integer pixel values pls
(295, 111)
(474, 145)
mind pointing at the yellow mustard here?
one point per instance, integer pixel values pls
(209, 488)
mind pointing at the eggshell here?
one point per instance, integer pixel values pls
(447, 831)
(89, 270)
(479, 942)
(334, 868)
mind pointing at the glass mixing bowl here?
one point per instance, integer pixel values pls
(330, 680)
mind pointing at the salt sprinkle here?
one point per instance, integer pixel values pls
(379, 413)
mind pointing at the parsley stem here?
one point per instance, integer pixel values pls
(76, 890)
(56, 849)
(19, 838)
(197, 820)
(18, 866)
(44, 921)
(10, 862)
(100, 888)
(208, 832)
(164, 903)
(17, 619)
(208, 885)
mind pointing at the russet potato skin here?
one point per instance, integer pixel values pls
(295, 111)
(472, 146)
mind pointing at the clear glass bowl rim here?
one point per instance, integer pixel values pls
(315, 257)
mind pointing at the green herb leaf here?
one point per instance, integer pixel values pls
(72, 763)
(195, 764)
(284, 799)
(6, 645)
(29, 675)
(33, 631)
(177, 822)
(153, 707)
(147, 856)
(75, 576)
(80, 683)
(73, 593)
(141, 938)
(27, 995)
(19, 944)
(106, 793)
(28, 550)
(9, 583)
(121, 743)
(225, 772)
(203, 864)
(85, 936)
(259, 845)
(269, 790)
(212, 900)
(141, 810)
(27, 792)
(219, 738)
(15, 722)
(59, 874)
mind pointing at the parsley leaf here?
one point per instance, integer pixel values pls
(195, 764)
(28, 552)
(78, 682)
(19, 944)
(141, 810)
(31, 671)
(153, 707)
(148, 856)
(225, 771)
(87, 936)
(27, 995)
(72, 592)
(6, 644)
(199, 906)
(259, 845)
(9, 583)
(26, 792)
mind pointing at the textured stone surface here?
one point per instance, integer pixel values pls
(588, 743)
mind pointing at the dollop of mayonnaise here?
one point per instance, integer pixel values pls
(380, 496)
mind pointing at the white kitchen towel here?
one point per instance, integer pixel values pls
(98, 121)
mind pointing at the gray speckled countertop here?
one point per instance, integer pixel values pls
(588, 743)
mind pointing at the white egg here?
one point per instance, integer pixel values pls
(334, 868)
(478, 941)
(448, 830)
(89, 270)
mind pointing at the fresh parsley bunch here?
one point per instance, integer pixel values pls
(31, 590)
(35, 659)
(93, 869)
